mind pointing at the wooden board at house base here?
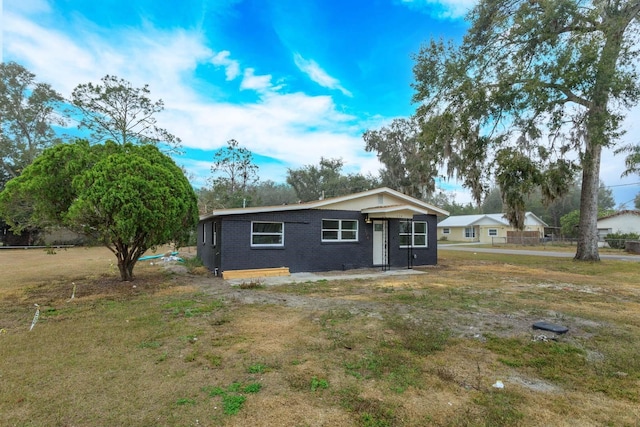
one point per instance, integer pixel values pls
(255, 272)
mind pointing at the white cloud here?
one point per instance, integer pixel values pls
(253, 82)
(28, 6)
(293, 128)
(444, 9)
(318, 75)
(232, 67)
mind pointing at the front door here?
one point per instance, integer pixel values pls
(380, 243)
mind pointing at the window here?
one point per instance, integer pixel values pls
(204, 233)
(339, 230)
(470, 232)
(413, 233)
(446, 231)
(493, 232)
(214, 233)
(267, 233)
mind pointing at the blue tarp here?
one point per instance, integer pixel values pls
(148, 257)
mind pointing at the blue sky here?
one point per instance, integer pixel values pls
(291, 80)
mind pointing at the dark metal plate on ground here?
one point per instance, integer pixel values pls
(546, 326)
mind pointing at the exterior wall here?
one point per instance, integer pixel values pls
(405, 257)
(628, 223)
(208, 248)
(371, 200)
(456, 234)
(501, 237)
(303, 249)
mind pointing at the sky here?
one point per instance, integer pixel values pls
(292, 81)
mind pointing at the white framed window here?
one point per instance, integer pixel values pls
(493, 232)
(339, 230)
(204, 233)
(413, 233)
(470, 232)
(214, 233)
(446, 230)
(267, 233)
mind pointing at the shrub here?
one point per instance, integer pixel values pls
(617, 240)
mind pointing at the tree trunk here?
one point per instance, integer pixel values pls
(598, 121)
(126, 270)
(587, 249)
(125, 264)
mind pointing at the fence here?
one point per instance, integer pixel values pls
(523, 237)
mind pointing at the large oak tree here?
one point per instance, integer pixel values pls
(406, 165)
(28, 111)
(534, 92)
(313, 182)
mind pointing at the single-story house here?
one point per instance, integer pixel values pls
(485, 228)
(375, 228)
(627, 221)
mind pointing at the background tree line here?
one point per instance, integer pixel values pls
(118, 186)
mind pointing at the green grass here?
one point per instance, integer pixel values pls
(319, 383)
(406, 351)
(233, 396)
(201, 306)
(257, 368)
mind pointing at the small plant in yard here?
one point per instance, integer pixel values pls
(193, 264)
(232, 403)
(253, 284)
(193, 307)
(191, 357)
(318, 383)
(500, 408)
(252, 388)
(185, 401)
(213, 359)
(371, 412)
(233, 397)
(257, 368)
(149, 344)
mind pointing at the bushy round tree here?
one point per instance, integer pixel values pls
(128, 197)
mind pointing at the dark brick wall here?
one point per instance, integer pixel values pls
(403, 257)
(303, 248)
(209, 252)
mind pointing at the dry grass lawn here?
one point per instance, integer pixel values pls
(181, 349)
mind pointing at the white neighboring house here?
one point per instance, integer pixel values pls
(627, 221)
(485, 228)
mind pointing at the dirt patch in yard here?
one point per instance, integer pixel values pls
(355, 348)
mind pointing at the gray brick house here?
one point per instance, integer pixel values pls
(376, 228)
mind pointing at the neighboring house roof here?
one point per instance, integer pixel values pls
(627, 221)
(377, 203)
(620, 213)
(487, 219)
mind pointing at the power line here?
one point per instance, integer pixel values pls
(622, 185)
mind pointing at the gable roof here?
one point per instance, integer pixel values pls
(380, 202)
(621, 213)
(487, 219)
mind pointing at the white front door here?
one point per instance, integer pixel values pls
(380, 243)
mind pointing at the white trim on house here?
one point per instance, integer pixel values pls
(340, 232)
(279, 234)
(377, 203)
(413, 234)
(487, 220)
(484, 228)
